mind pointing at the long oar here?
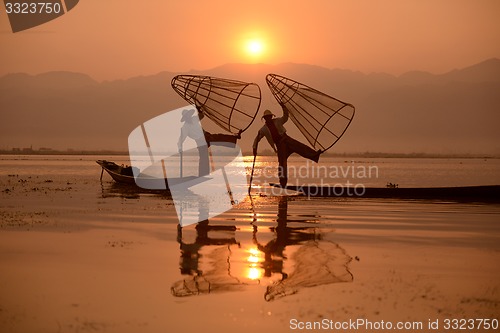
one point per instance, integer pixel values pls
(251, 175)
(180, 164)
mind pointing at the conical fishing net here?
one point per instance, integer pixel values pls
(322, 119)
(231, 104)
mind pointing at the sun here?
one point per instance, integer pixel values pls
(255, 47)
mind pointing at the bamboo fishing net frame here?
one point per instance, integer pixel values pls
(231, 104)
(321, 118)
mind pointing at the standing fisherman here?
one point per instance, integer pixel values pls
(193, 130)
(282, 144)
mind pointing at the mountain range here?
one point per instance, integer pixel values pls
(453, 113)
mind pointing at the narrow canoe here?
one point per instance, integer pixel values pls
(467, 193)
(121, 174)
(124, 175)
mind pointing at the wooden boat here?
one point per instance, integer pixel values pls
(124, 175)
(120, 173)
(488, 193)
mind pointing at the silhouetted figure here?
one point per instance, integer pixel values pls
(218, 137)
(192, 129)
(282, 144)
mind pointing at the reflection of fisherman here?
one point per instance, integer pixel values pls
(284, 236)
(217, 251)
(190, 252)
(283, 145)
(192, 129)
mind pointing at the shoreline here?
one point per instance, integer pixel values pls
(249, 154)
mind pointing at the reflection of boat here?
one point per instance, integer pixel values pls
(470, 193)
(128, 191)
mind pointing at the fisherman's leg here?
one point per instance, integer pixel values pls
(223, 138)
(303, 150)
(204, 165)
(282, 161)
(208, 137)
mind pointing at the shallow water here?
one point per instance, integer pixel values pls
(255, 267)
(376, 172)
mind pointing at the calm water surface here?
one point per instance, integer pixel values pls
(281, 246)
(406, 172)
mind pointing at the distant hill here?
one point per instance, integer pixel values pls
(454, 112)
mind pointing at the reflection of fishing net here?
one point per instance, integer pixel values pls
(316, 263)
(233, 105)
(321, 118)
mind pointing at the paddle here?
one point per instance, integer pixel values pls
(180, 163)
(253, 167)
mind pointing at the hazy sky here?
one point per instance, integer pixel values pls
(111, 39)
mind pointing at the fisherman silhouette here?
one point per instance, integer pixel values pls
(192, 129)
(282, 144)
(218, 137)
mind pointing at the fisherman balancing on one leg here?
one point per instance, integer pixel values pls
(218, 137)
(283, 145)
(192, 129)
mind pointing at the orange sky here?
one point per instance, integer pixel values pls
(111, 39)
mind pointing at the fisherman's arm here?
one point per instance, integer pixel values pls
(256, 141)
(284, 118)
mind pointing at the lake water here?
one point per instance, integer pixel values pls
(372, 172)
(256, 267)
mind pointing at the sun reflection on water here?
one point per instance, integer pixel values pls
(254, 272)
